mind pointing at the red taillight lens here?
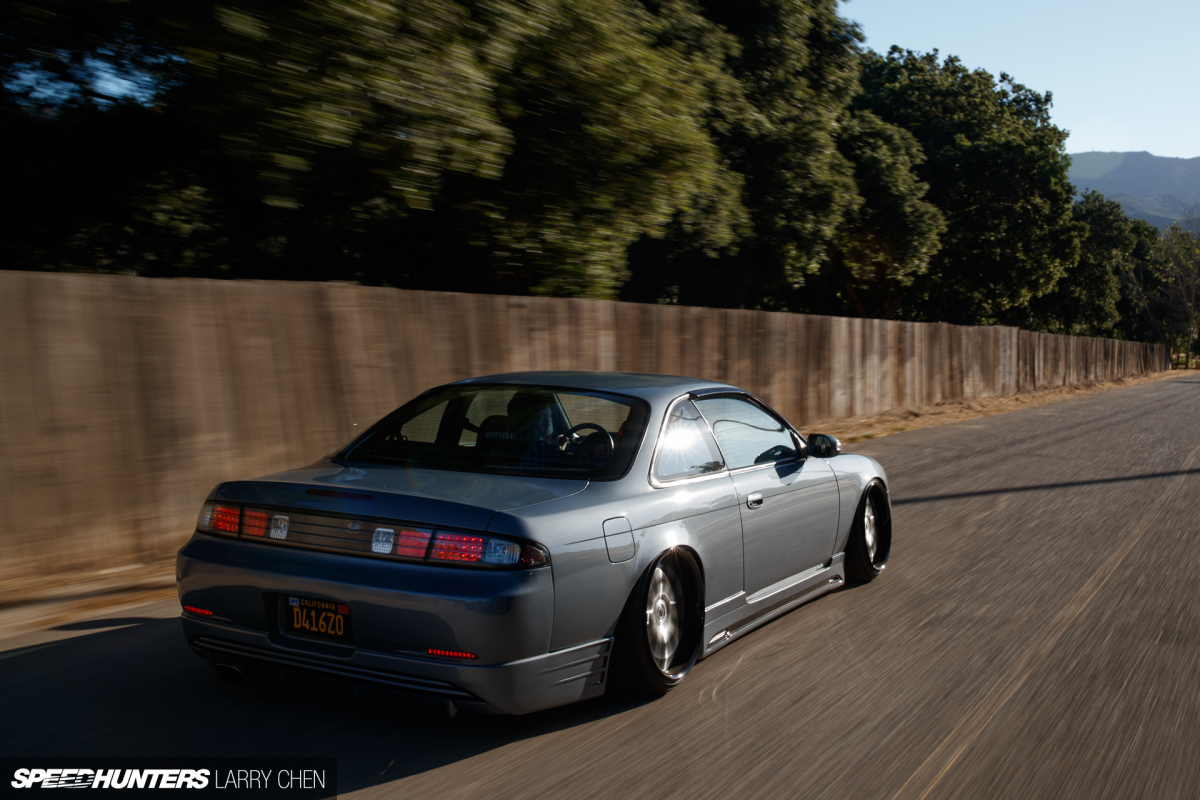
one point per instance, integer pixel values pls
(226, 518)
(202, 611)
(255, 523)
(464, 548)
(412, 543)
(457, 547)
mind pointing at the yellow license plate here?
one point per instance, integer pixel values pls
(318, 619)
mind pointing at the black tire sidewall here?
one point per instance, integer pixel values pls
(859, 565)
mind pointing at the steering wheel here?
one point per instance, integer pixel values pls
(600, 435)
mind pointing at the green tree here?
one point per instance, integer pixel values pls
(1142, 313)
(996, 168)
(1085, 300)
(608, 144)
(889, 237)
(1179, 282)
(497, 146)
(788, 69)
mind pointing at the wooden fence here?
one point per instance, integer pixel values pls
(124, 400)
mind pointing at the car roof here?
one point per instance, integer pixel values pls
(655, 388)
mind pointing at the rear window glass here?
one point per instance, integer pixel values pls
(512, 430)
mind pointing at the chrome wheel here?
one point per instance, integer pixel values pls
(663, 630)
(868, 521)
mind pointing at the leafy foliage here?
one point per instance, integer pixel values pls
(1084, 302)
(518, 146)
(707, 152)
(996, 168)
(888, 239)
(786, 72)
(1178, 284)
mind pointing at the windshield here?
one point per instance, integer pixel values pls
(537, 431)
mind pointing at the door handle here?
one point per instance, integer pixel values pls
(754, 500)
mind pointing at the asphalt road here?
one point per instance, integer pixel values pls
(1037, 634)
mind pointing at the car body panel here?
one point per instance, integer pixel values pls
(536, 637)
(591, 592)
(854, 473)
(794, 523)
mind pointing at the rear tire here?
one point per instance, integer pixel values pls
(870, 542)
(658, 637)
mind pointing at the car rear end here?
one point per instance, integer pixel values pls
(403, 592)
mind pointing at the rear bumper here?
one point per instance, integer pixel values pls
(518, 687)
(398, 611)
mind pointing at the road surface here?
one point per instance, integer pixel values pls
(1037, 634)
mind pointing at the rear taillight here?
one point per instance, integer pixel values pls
(218, 518)
(456, 547)
(413, 542)
(534, 555)
(389, 539)
(462, 548)
(254, 523)
(382, 541)
(226, 518)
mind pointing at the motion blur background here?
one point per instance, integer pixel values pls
(601, 184)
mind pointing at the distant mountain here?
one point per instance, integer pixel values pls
(1153, 188)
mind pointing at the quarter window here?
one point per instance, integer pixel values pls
(686, 448)
(747, 434)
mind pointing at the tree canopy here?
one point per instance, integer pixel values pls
(996, 168)
(742, 154)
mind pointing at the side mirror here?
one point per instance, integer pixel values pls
(822, 445)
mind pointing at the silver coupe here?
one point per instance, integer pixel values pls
(516, 542)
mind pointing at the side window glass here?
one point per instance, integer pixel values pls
(747, 434)
(686, 448)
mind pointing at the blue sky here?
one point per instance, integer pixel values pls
(1122, 74)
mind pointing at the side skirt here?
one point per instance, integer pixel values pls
(722, 631)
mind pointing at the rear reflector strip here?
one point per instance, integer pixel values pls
(202, 611)
(433, 651)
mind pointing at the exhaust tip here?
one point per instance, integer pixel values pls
(229, 673)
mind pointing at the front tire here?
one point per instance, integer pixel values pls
(870, 542)
(658, 638)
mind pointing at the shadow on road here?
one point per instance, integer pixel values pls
(139, 691)
(1042, 487)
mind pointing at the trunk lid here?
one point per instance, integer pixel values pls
(423, 496)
